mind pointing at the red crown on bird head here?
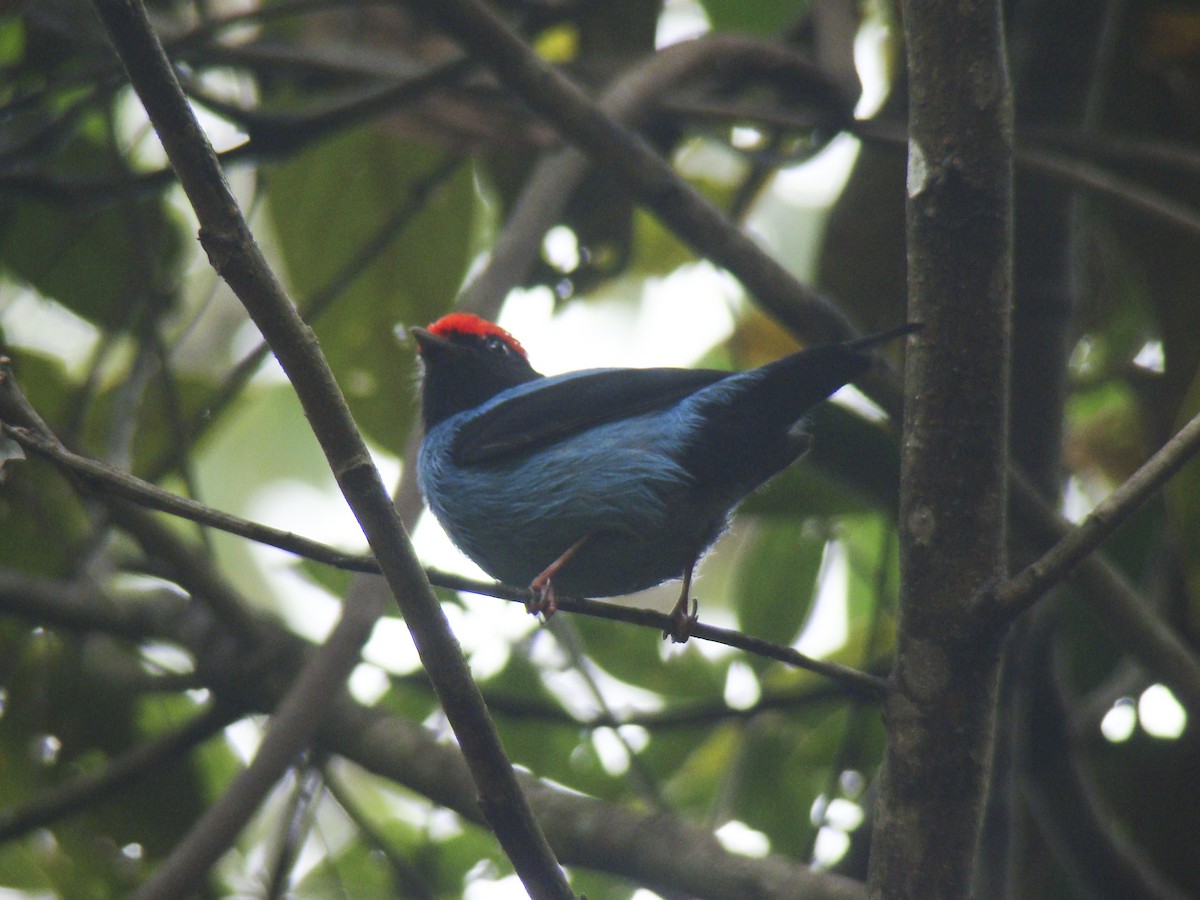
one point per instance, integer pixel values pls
(466, 323)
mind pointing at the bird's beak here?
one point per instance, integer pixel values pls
(430, 345)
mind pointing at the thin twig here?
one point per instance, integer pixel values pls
(97, 475)
(1022, 590)
(1122, 610)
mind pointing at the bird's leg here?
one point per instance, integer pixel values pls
(544, 600)
(682, 619)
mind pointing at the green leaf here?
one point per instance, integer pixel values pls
(327, 204)
(782, 765)
(853, 466)
(635, 655)
(871, 552)
(776, 579)
(103, 262)
(761, 16)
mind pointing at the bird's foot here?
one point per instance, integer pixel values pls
(682, 621)
(544, 601)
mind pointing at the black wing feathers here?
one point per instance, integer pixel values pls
(556, 411)
(762, 411)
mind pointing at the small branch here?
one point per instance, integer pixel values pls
(1103, 182)
(1130, 620)
(295, 824)
(99, 475)
(1026, 588)
(658, 850)
(1030, 155)
(272, 134)
(858, 683)
(631, 100)
(195, 575)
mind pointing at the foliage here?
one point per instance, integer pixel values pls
(375, 215)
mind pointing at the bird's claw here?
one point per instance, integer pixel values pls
(682, 621)
(544, 601)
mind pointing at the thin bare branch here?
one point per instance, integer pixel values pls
(1122, 610)
(99, 476)
(235, 254)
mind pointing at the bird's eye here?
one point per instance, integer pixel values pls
(497, 344)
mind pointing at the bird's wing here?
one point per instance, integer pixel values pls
(541, 415)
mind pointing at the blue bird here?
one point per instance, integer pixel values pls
(603, 482)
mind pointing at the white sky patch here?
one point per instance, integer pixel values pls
(852, 398)
(743, 137)
(843, 814)
(827, 629)
(30, 320)
(611, 751)
(830, 846)
(1161, 715)
(163, 657)
(560, 247)
(243, 737)
(738, 837)
(1151, 357)
(711, 161)
(680, 318)
(1077, 501)
(742, 689)
(818, 181)
(680, 20)
(636, 737)
(1119, 723)
(391, 647)
(368, 683)
(870, 59)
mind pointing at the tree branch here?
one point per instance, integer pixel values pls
(100, 476)
(614, 149)
(1131, 620)
(585, 831)
(1022, 590)
(941, 709)
(234, 253)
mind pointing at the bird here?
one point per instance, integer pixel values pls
(603, 482)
